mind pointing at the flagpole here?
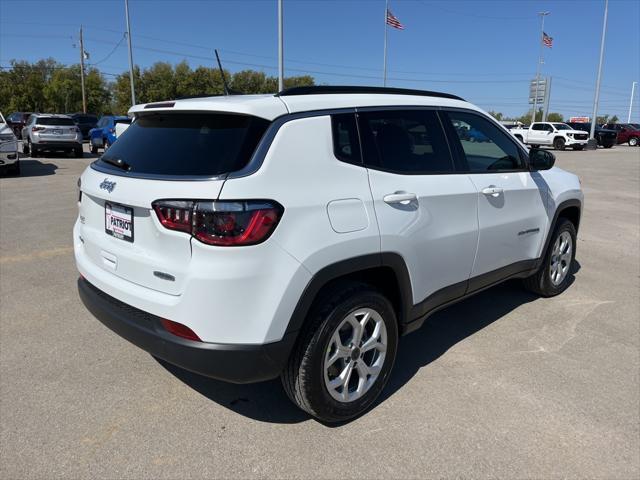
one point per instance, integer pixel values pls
(535, 98)
(384, 74)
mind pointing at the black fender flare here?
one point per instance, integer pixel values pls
(572, 202)
(354, 265)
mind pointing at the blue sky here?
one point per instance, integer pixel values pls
(485, 51)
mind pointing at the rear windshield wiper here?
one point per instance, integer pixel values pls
(117, 162)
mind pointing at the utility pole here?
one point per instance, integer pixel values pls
(547, 99)
(133, 90)
(280, 48)
(633, 90)
(593, 144)
(84, 97)
(535, 98)
(384, 70)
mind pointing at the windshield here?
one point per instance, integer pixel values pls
(192, 144)
(562, 126)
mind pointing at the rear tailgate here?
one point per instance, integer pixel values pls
(156, 257)
(163, 156)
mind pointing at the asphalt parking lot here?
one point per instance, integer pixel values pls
(503, 385)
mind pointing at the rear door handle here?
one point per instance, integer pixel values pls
(493, 191)
(400, 197)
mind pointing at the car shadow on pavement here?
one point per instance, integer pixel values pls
(35, 168)
(267, 402)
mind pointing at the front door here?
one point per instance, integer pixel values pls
(511, 200)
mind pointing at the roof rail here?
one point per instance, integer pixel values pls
(329, 89)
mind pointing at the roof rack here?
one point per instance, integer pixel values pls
(329, 89)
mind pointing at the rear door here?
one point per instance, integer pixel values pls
(426, 211)
(511, 200)
(540, 134)
(177, 156)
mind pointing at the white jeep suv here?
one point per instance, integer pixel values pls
(299, 234)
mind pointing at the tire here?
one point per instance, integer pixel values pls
(549, 281)
(559, 143)
(307, 376)
(578, 147)
(633, 142)
(94, 149)
(608, 146)
(78, 152)
(26, 148)
(34, 151)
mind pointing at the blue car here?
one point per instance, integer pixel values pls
(477, 136)
(104, 134)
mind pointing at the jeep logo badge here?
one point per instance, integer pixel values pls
(107, 185)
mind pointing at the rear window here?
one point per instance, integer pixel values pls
(54, 121)
(86, 119)
(186, 144)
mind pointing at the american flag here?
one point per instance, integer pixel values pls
(393, 21)
(547, 40)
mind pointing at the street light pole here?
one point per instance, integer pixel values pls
(280, 48)
(535, 98)
(133, 91)
(84, 96)
(633, 90)
(592, 144)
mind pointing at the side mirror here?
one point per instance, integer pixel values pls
(541, 159)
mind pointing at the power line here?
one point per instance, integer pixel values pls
(111, 52)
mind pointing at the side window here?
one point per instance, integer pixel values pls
(548, 128)
(485, 146)
(405, 141)
(537, 126)
(346, 145)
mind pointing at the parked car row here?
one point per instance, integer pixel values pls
(576, 134)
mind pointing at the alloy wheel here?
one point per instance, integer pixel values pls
(561, 258)
(355, 355)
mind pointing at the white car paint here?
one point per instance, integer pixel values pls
(247, 295)
(9, 150)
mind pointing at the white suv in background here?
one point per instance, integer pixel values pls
(299, 234)
(9, 152)
(52, 132)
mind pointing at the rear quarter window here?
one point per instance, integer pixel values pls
(186, 144)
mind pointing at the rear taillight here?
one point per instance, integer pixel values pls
(175, 214)
(179, 330)
(221, 223)
(37, 129)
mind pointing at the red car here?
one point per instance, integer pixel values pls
(626, 132)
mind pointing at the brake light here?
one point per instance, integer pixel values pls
(36, 129)
(221, 223)
(175, 214)
(179, 330)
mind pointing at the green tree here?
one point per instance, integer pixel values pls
(496, 115)
(555, 117)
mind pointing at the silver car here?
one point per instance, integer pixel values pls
(9, 155)
(51, 132)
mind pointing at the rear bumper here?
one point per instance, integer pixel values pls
(54, 145)
(231, 363)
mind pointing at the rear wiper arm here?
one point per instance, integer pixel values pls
(117, 162)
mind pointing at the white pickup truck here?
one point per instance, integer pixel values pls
(560, 135)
